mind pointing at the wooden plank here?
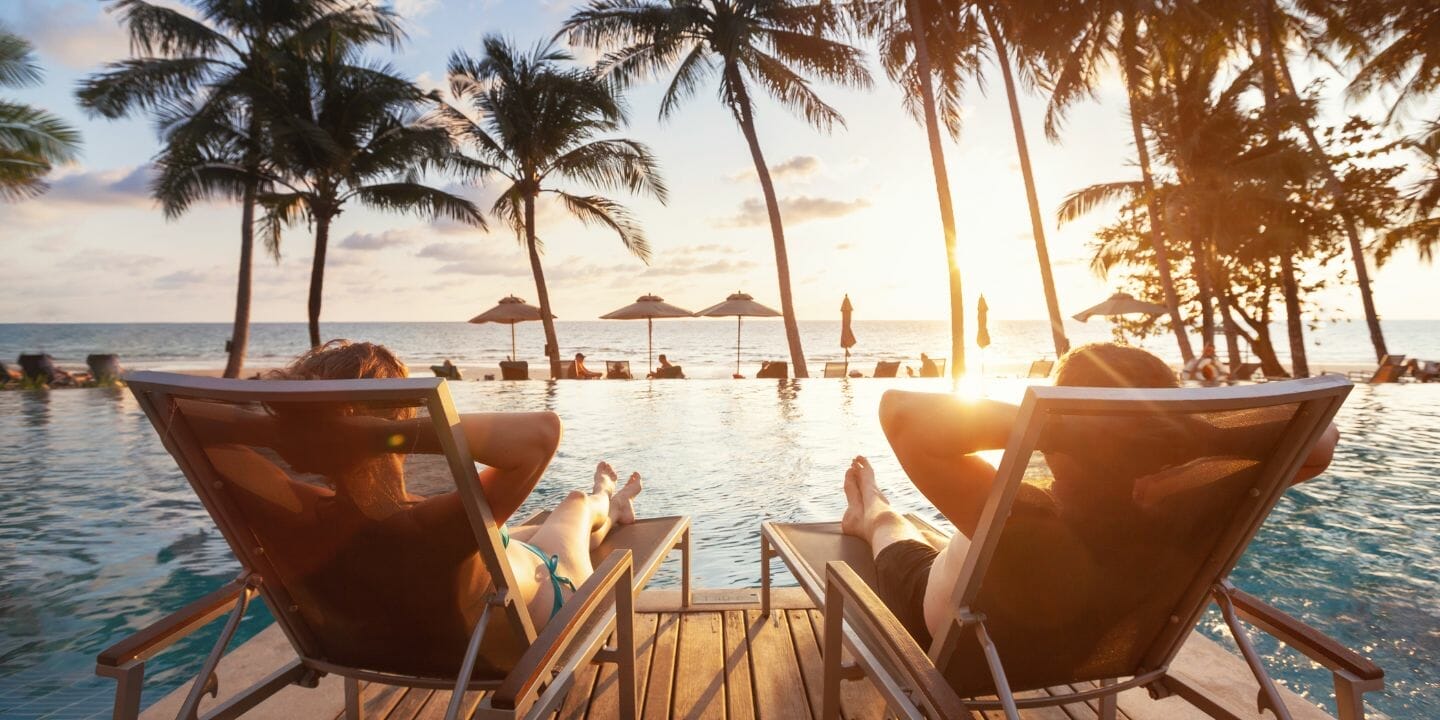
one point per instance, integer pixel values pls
(739, 694)
(605, 703)
(859, 700)
(413, 700)
(700, 681)
(577, 700)
(377, 700)
(720, 599)
(776, 671)
(662, 668)
(439, 702)
(807, 651)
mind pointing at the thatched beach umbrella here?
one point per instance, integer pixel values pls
(847, 335)
(648, 307)
(740, 306)
(1120, 304)
(509, 311)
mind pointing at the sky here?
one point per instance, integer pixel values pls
(859, 206)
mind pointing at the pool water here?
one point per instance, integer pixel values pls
(100, 535)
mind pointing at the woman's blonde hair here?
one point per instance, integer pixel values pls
(1113, 366)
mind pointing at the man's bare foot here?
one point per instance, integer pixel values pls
(865, 479)
(622, 503)
(853, 521)
(605, 479)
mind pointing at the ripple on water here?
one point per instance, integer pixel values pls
(99, 533)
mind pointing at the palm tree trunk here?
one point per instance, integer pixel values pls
(317, 273)
(916, 20)
(547, 318)
(1347, 220)
(1037, 226)
(1142, 151)
(777, 229)
(1294, 323)
(1205, 288)
(1232, 338)
(240, 333)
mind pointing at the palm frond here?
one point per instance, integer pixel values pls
(142, 83)
(423, 200)
(17, 61)
(1085, 200)
(613, 164)
(596, 210)
(30, 131)
(157, 31)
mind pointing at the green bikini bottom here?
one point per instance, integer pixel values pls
(551, 563)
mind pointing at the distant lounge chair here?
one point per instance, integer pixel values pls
(1424, 370)
(40, 367)
(446, 370)
(104, 368)
(567, 370)
(887, 368)
(1390, 370)
(674, 372)
(514, 370)
(1131, 590)
(939, 370)
(836, 369)
(1041, 369)
(774, 370)
(351, 596)
(618, 370)
(1245, 371)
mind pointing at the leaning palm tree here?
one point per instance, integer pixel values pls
(200, 78)
(770, 45)
(921, 52)
(1090, 35)
(534, 122)
(347, 132)
(32, 141)
(1421, 203)
(1408, 56)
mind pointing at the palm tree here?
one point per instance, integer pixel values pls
(534, 121)
(1093, 33)
(1409, 59)
(201, 80)
(348, 132)
(919, 54)
(1423, 230)
(32, 141)
(769, 44)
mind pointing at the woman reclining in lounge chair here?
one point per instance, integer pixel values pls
(360, 515)
(934, 437)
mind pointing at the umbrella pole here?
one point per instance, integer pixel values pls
(512, 341)
(650, 336)
(738, 319)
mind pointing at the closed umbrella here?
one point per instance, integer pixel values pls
(982, 337)
(1120, 304)
(648, 307)
(739, 305)
(847, 335)
(509, 311)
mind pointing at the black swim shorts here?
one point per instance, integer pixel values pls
(902, 573)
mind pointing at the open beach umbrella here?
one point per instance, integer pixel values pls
(847, 335)
(741, 306)
(508, 311)
(1120, 304)
(648, 307)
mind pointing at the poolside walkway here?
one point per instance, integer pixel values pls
(721, 658)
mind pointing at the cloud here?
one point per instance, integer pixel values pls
(715, 267)
(411, 9)
(117, 187)
(75, 33)
(794, 210)
(183, 278)
(473, 259)
(376, 241)
(798, 167)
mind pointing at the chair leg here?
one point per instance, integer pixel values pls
(764, 574)
(1109, 704)
(685, 570)
(625, 642)
(831, 651)
(354, 704)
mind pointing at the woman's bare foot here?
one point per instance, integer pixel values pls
(622, 503)
(605, 479)
(853, 521)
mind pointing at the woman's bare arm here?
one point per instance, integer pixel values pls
(1320, 455)
(515, 449)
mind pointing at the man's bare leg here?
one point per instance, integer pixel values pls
(868, 513)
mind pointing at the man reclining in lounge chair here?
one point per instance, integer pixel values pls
(934, 437)
(360, 514)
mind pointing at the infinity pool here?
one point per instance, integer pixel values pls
(99, 534)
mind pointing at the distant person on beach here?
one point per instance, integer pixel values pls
(581, 372)
(358, 514)
(928, 367)
(935, 437)
(666, 371)
(1205, 368)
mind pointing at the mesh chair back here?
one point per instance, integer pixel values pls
(356, 504)
(887, 368)
(617, 370)
(1114, 514)
(835, 369)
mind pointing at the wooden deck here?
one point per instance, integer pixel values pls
(720, 658)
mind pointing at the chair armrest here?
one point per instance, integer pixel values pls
(159, 635)
(898, 645)
(533, 667)
(1314, 644)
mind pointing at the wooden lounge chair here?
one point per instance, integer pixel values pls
(567, 370)
(1390, 370)
(836, 369)
(446, 370)
(617, 370)
(1042, 604)
(1041, 369)
(373, 600)
(514, 370)
(1245, 371)
(887, 368)
(774, 370)
(939, 370)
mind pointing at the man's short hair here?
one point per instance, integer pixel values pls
(1114, 366)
